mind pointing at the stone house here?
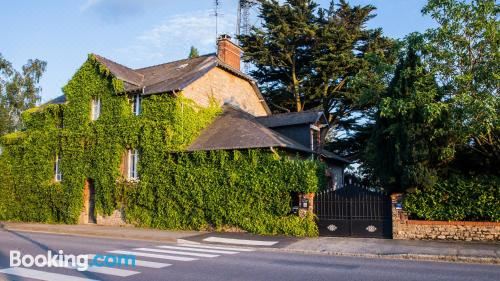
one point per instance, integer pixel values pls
(246, 121)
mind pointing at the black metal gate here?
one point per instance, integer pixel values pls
(354, 211)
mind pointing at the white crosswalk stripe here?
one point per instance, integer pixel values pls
(112, 271)
(42, 275)
(177, 252)
(141, 263)
(199, 250)
(216, 247)
(156, 256)
(240, 241)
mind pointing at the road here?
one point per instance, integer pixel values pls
(160, 261)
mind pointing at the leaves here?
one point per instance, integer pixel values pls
(19, 91)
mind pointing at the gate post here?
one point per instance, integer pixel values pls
(306, 204)
(399, 217)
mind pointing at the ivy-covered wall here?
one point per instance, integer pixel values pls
(177, 190)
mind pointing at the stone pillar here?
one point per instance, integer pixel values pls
(306, 199)
(399, 217)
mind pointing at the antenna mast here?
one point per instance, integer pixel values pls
(217, 14)
(243, 24)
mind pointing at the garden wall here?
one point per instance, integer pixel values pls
(404, 228)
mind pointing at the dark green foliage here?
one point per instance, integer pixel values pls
(459, 198)
(249, 189)
(309, 57)
(171, 194)
(409, 139)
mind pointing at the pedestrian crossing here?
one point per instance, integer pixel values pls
(160, 257)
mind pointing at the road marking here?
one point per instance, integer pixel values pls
(42, 275)
(199, 250)
(165, 257)
(217, 248)
(240, 241)
(142, 263)
(112, 271)
(177, 252)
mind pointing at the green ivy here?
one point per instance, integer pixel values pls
(177, 190)
(457, 199)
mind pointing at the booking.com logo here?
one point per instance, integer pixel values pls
(80, 262)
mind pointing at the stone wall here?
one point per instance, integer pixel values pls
(225, 87)
(403, 228)
(116, 218)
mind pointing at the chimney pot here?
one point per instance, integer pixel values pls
(228, 52)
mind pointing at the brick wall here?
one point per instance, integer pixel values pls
(403, 228)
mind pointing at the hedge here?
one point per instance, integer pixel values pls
(457, 199)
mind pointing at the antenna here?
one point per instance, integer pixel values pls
(243, 24)
(216, 13)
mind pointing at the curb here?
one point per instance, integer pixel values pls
(416, 257)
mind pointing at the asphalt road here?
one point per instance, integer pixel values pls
(220, 264)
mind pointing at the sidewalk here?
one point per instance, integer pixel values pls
(115, 232)
(360, 247)
(456, 251)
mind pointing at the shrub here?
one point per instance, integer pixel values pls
(457, 199)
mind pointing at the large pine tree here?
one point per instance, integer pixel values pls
(310, 57)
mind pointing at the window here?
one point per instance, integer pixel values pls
(57, 169)
(136, 104)
(133, 160)
(96, 109)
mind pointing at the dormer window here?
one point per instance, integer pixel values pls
(57, 169)
(136, 104)
(96, 109)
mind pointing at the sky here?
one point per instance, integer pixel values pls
(139, 33)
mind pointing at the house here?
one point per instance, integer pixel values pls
(114, 121)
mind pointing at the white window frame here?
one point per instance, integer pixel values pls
(57, 169)
(96, 108)
(136, 104)
(133, 161)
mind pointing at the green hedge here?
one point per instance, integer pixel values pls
(457, 199)
(250, 190)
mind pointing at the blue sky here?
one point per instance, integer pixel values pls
(140, 33)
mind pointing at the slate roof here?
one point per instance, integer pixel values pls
(58, 100)
(330, 155)
(172, 76)
(292, 118)
(236, 129)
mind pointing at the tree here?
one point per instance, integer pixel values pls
(308, 57)
(18, 91)
(193, 53)
(410, 138)
(464, 53)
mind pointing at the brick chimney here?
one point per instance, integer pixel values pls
(228, 52)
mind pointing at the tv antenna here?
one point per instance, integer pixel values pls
(217, 14)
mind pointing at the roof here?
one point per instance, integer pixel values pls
(58, 100)
(121, 72)
(167, 77)
(236, 129)
(330, 155)
(292, 118)
(172, 76)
